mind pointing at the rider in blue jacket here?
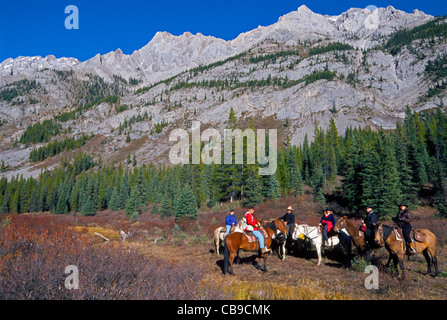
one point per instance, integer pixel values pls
(230, 221)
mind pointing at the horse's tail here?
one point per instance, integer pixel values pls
(226, 257)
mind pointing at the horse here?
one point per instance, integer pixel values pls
(315, 236)
(237, 240)
(280, 229)
(219, 235)
(386, 236)
(357, 237)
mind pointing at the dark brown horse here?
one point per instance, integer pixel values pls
(357, 238)
(386, 236)
(236, 241)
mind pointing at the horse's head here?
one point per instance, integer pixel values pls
(298, 230)
(341, 224)
(281, 226)
(378, 234)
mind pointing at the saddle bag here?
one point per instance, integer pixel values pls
(418, 236)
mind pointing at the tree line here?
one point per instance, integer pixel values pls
(379, 168)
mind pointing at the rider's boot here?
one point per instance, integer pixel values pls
(412, 248)
(265, 250)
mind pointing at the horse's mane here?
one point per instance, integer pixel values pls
(271, 225)
(386, 231)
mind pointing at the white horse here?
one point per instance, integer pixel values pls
(313, 233)
(219, 235)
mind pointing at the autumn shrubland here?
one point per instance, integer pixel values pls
(167, 259)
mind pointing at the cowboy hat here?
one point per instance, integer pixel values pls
(290, 208)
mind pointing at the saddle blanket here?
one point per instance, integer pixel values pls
(398, 235)
(251, 237)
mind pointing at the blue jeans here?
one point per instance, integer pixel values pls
(228, 228)
(260, 237)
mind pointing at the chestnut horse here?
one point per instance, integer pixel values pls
(236, 241)
(385, 236)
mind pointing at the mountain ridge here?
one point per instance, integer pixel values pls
(299, 25)
(274, 76)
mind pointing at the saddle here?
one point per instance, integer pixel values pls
(398, 234)
(251, 237)
(419, 237)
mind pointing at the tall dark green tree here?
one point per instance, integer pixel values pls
(185, 204)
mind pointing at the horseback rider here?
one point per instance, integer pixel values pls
(251, 221)
(289, 218)
(230, 221)
(403, 220)
(368, 224)
(327, 223)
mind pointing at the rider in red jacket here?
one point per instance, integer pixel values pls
(251, 221)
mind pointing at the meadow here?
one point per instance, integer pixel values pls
(162, 258)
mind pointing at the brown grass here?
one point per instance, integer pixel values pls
(163, 259)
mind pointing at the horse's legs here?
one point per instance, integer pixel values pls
(389, 260)
(230, 271)
(318, 246)
(428, 259)
(434, 260)
(435, 263)
(216, 245)
(264, 257)
(238, 259)
(282, 250)
(400, 260)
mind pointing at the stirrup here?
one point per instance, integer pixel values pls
(265, 250)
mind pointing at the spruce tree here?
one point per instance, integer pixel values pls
(114, 203)
(273, 190)
(133, 203)
(185, 204)
(252, 186)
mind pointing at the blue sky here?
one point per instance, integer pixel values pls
(29, 28)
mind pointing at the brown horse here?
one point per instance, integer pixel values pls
(236, 241)
(386, 236)
(280, 229)
(357, 238)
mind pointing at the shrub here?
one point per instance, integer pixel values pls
(33, 259)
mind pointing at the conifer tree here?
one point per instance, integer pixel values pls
(252, 186)
(133, 203)
(114, 203)
(185, 204)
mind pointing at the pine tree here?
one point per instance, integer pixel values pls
(185, 204)
(318, 181)
(273, 190)
(124, 191)
(166, 206)
(114, 203)
(232, 120)
(133, 203)
(385, 189)
(252, 186)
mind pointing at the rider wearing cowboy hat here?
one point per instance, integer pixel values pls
(289, 218)
(403, 220)
(368, 224)
(327, 223)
